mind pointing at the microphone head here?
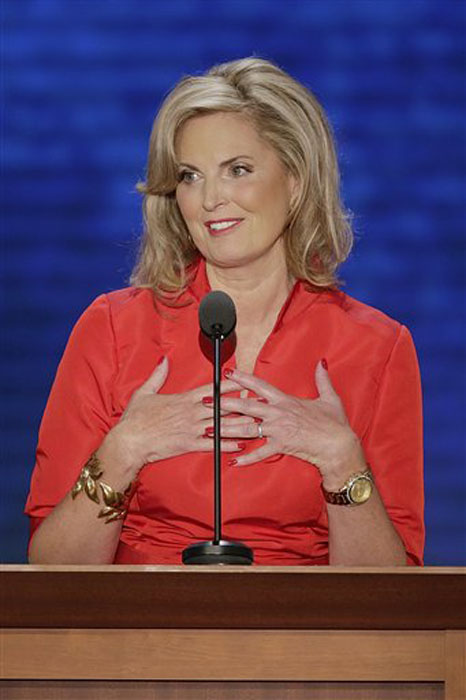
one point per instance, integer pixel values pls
(217, 314)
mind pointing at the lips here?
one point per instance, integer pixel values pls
(219, 226)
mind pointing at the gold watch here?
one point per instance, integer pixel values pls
(357, 490)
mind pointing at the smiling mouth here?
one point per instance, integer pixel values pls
(216, 228)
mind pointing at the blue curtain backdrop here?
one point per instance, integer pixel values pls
(82, 80)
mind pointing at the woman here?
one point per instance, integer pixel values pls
(321, 434)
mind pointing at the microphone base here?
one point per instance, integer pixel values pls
(222, 552)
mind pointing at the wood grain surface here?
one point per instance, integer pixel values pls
(234, 597)
(188, 690)
(220, 655)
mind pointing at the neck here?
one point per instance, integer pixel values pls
(258, 290)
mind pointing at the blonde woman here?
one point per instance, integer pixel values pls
(322, 428)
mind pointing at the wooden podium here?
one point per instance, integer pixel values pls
(281, 633)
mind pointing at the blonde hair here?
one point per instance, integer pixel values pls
(318, 236)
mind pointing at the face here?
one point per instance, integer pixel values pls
(233, 191)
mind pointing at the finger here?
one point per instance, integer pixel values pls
(324, 384)
(157, 378)
(243, 426)
(226, 386)
(206, 413)
(256, 455)
(238, 422)
(203, 444)
(245, 431)
(247, 407)
(258, 386)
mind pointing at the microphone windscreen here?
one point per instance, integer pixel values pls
(217, 311)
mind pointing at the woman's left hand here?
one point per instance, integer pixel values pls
(314, 430)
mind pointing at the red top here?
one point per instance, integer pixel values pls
(274, 506)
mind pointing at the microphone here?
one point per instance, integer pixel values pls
(217, 319)
(217, 314)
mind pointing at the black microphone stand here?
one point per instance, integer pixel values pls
(217, 551)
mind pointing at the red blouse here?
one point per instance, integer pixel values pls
(274, 506)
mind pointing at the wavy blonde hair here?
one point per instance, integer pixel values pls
(317, 236)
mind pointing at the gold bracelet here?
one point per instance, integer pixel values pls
(116, 503)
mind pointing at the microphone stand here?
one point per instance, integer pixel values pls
(217, 551)
(217, 339)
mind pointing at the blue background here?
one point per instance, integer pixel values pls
(82, 81)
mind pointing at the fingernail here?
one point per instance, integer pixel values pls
(262, 400)
(241, 445)
(232, 462)
(209, 431)
(207, 400)
(324, 363)
(227, 373)
(257, 420)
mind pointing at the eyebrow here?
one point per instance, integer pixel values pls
(223, 164)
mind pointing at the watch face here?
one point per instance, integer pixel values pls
(360, 490)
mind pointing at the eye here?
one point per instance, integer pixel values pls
(187, 176)
(239, 170)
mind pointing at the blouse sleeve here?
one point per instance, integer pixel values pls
(78, 412)
(393, 445)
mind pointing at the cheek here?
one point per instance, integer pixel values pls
(279, 201)
(186, 203)
(268, 198)
(253, 199)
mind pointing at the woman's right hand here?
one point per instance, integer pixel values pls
(157, 426)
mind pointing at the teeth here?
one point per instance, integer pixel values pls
(222, 224)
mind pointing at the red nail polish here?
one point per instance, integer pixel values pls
(324, 363)
(227, 373)
(262, 400)
(241, 445)
(257, 420)
(232, 462)
(207, 400)
(209, 431)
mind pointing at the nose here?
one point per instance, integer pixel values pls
(213, 194)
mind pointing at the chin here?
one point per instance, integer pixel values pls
(233, 261)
